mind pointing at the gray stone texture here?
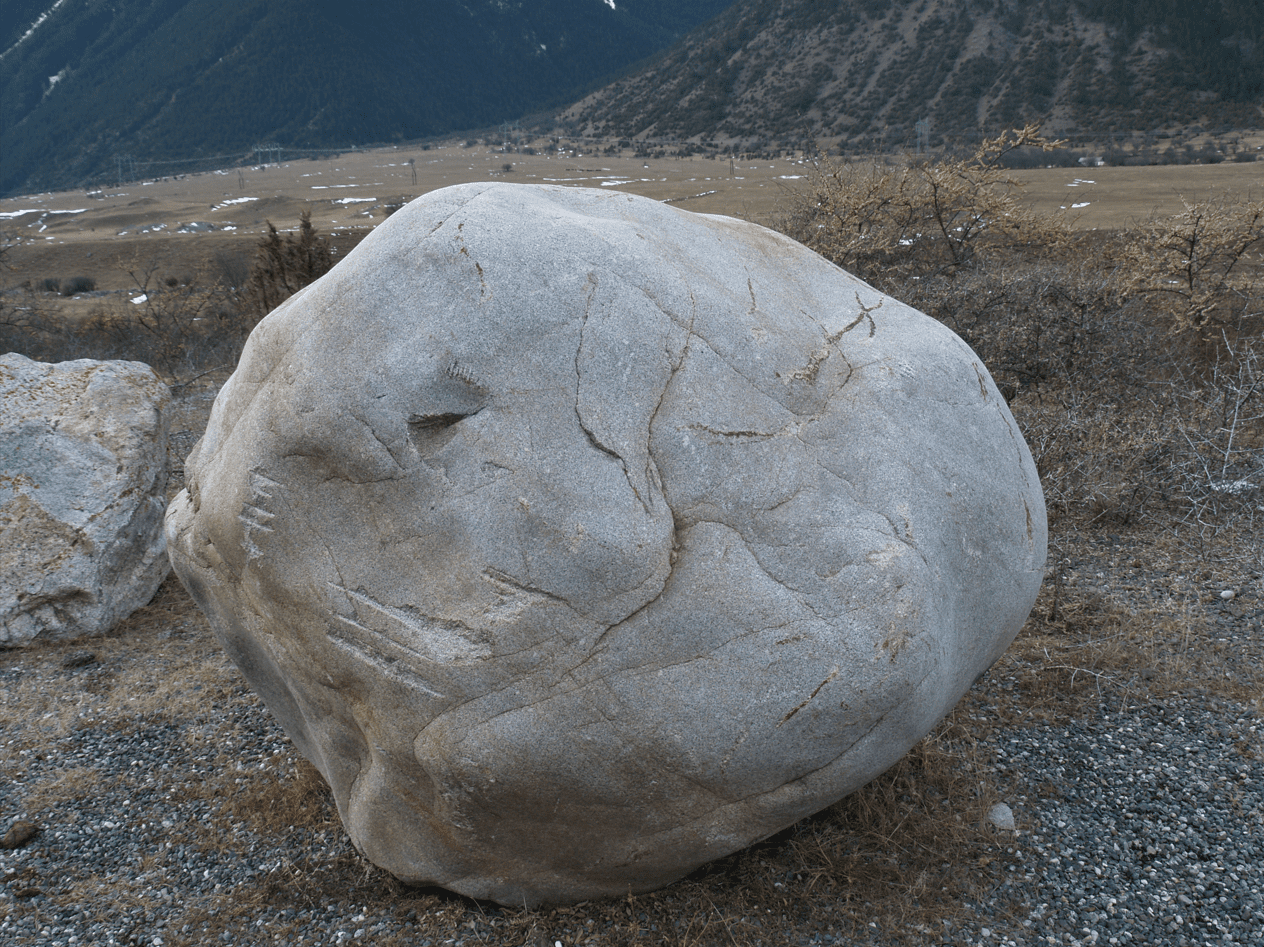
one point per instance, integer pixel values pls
(83, 480)
(579, 540)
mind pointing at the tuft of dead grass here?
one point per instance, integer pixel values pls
(888, 859)
(284, 794)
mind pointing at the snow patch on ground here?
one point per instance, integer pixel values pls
(235, 200)
(10, 214)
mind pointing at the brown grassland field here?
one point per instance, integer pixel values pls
(1120, 310)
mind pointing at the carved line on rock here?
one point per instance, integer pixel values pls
(584, 425)
(819, 687)
(381, 629)
(864, 314)
(255, 515)
(460, 372)
(508, 585)
(378, 650)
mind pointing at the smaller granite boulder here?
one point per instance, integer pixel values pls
(83, 480)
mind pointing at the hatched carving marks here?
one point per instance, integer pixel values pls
(402, 642)
(255, 515)
(384, 654)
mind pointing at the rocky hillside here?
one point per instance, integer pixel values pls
(864, 73)
(90, 86)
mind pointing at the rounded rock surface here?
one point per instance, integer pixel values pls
(579, 540)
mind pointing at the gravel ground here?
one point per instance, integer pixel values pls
(1138, 824)
(1145, 825)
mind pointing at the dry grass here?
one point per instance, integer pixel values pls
(62, 787)
(875, 862)
(888, 860)
(1120, 198)
(889, 864)
(185, 326)
(148, 665)
(1135, 430)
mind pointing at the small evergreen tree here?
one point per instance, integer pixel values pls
(283, 266)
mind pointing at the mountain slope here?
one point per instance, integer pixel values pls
(868, 70)
(170, 79)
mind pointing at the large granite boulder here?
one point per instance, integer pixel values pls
(83, 482)
(579, 540)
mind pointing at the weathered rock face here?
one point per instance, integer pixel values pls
(83, 480)
(579, 540)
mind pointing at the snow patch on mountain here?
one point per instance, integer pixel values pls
(49, 12)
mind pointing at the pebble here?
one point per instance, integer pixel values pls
(20, 832)
(1001, 817)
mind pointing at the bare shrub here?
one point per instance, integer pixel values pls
(955, 239)
(184, 325)
(1218, 457)
(26, 325)
(179, 327)
(1099, 461)
(231, 269)
(1200, 267)
(201, 322)
(890, 223)
(1129, 359)
(78, 284)
(1041, 324)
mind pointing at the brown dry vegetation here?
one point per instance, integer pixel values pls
(1143, 402)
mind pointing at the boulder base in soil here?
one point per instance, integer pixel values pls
(579, 540)
(83, 481)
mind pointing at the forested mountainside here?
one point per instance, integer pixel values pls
(83, 82)
(870, 70)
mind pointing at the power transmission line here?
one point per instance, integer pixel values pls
(269, 149)
(125, 168)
